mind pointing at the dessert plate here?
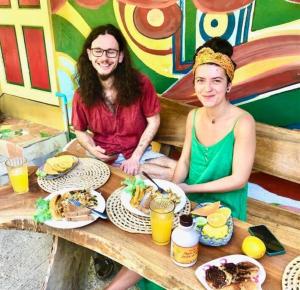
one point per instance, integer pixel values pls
(259, 279)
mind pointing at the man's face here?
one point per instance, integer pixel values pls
(105, 64)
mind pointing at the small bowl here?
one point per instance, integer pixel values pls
(215, 242)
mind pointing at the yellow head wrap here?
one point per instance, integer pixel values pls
(207, 55)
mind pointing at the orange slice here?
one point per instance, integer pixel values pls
(216, 220)
(207, 209)
(225, 211)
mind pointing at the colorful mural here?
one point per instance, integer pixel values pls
(163, 35)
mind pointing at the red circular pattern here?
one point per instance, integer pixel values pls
(172, 20)
(221, 5)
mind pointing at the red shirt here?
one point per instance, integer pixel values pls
(121, 131)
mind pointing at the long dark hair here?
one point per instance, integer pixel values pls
(126, 80)
(218, 44)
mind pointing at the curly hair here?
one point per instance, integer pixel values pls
(126, 78)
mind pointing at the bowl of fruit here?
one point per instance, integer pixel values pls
(214, 223)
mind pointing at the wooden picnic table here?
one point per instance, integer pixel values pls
(135, 251)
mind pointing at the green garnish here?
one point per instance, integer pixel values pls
(44, 134)
(131, 183)
(40, 173)
(42, 212)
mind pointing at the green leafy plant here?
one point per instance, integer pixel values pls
(131, 183)
(42, 212)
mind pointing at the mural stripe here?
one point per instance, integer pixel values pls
(239, 27)
(36, 56)
(247, 23)
(29, 3)
(10, 54)
(5, 3)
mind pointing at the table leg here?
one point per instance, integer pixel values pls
(69, 264)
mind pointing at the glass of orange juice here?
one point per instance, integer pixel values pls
(161, 218)
(18, 174)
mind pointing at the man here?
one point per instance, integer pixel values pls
(118, 105)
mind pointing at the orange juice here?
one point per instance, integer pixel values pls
(161, 218)
(19, 179)
(18, 174)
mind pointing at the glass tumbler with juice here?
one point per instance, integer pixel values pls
(161, 217)
(18, 174)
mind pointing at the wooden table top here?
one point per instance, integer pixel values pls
(135, 251)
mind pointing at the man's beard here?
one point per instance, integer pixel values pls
(105, 77)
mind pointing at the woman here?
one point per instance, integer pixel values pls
(219, 146)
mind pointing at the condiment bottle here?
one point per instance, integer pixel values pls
(185, 243)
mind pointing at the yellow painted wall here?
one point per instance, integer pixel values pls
(21, 108)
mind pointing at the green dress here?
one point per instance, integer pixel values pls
(208, 163)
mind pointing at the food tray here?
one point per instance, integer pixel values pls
(129, 222)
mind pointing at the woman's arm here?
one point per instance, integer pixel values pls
(243, 158)
(182, 168)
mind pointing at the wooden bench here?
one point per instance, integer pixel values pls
(277, 154)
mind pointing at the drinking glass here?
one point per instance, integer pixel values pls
(18, 174)
(161, 218)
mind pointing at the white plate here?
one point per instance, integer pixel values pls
(126, 197)
(200, 272)
(63, 224)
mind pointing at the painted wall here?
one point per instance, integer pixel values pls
(163, 35)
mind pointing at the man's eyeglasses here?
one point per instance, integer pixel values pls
(111, 53)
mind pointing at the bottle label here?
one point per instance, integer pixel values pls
(184, 255)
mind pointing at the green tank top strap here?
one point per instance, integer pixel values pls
(237, 119)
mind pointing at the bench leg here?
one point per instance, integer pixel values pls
(69, 264)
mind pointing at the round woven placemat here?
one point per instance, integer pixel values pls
(89, 173)
(129, 222)
(291, 275)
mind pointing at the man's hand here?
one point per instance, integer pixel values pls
(99, 152)
(131, 166)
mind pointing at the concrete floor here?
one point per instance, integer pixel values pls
(24, 261)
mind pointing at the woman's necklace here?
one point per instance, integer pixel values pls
(213, 120)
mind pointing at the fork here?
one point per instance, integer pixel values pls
(161, 190)
(75, 202)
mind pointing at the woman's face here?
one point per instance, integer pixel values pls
(211, 85)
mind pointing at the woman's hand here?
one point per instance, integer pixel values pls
(185, 187)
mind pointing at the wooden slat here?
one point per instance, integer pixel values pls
(278, 152)
(283, 223)
(172, 125)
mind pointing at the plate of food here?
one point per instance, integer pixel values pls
(138, 193)
(231, 272)
(58, 166)
(214, 223)
(67, 216)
